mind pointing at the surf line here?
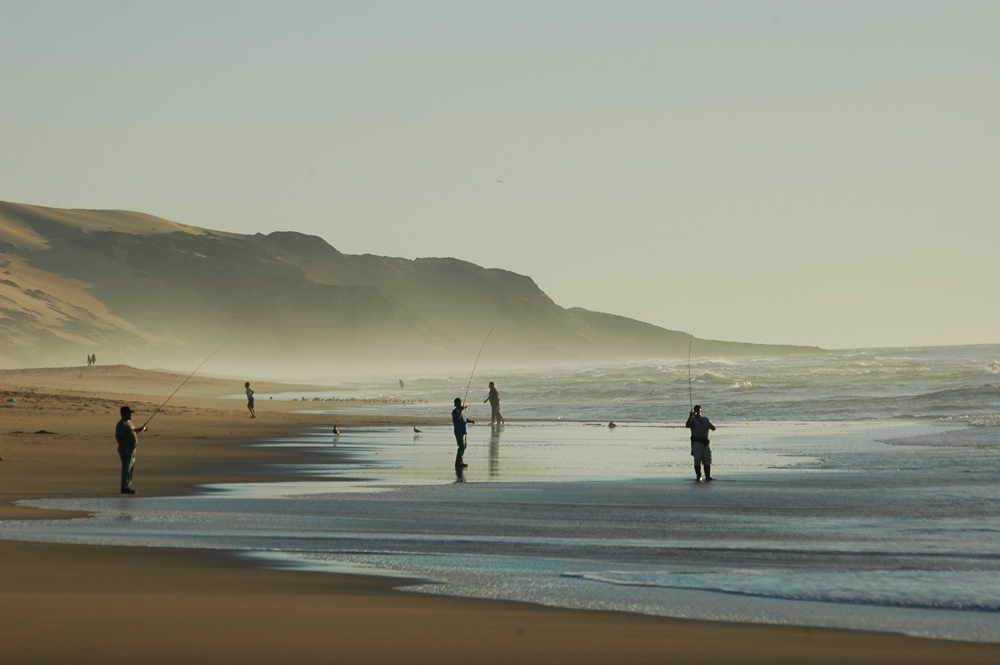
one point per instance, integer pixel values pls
(180, 386)
(466, 398)
(690, 393)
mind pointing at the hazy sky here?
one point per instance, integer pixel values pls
(811, 173)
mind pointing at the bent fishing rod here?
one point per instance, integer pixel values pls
(466, 398)
(690, 393)
(179, 387)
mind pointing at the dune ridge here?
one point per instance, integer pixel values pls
(141, 290)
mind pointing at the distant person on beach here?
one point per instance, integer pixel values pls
(253, 414)
(401, 386)
(93, 359)
(461, 433)
(494, 399)
(125, 434)
(700, 445)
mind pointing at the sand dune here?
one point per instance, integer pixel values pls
(31, 227)
(122, 380)
(141, 290)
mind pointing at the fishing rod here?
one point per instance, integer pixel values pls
(465, 399)
(179, 387)
(690, 393)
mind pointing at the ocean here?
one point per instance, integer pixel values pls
(856, 489)
(958, 383)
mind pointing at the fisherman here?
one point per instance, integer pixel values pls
(125, 434)
(459, 419)
(700, 445)
(494, 400)
(253, 414)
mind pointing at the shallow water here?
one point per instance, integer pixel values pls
(810, 523)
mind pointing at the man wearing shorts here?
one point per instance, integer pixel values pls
(494, 399)
(700, 445)
(253, 414)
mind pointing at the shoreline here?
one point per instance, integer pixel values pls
(67, 603)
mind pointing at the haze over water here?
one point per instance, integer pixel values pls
(856, 489)
(960, 383)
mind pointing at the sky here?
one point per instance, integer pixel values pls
(820, 173)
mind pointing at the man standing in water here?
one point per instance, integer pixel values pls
(461, 433)
(125, 434)
(494, 399)
(700, 445)
(253, 414)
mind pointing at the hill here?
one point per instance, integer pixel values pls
(141, 290)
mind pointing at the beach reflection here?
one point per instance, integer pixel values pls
(495, 452)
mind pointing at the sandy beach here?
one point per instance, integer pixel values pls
(75, 603)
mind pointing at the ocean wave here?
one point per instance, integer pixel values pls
(710, 377)
(961, 590)
(985, 392)
(933, 383)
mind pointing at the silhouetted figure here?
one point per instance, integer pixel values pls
(494, 399)
(336, 431)
(125, 435)
(401, 385)
(93, 359)
(612, 425)
(253, 414)
(700, 445)
(459, 420)
(417, 431)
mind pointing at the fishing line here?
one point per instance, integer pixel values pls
(690, 393)
(179, 387)
(465, 399)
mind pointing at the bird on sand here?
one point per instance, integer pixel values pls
(336, 431)
(612, 424)
(417, 431)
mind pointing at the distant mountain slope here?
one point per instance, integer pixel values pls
(140, 289)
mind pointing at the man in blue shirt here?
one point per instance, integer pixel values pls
(700, 450)
(459, 420)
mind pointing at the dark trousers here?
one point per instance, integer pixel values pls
(461, 438)
(128, 465)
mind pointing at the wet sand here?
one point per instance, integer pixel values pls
(80, 604)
